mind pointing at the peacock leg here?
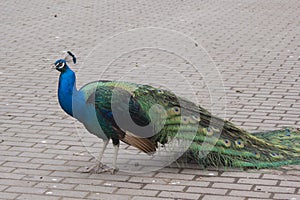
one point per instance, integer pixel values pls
(114, 168)
(99, 165)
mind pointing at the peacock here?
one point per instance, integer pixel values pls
(156, 117)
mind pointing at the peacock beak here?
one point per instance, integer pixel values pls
(53, 66)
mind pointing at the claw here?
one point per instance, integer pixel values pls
(101, 168)
(114, 170)
(97, 169)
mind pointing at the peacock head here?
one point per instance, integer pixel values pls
(61, 64)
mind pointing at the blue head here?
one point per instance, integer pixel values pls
(61, 64)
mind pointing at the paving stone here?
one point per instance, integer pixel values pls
(122, 184)
(137, 192)
(7, 195)
(232, 186)
(286, 196)
(213, 197)
(23, 165)
(11, 176)
(249, 194)
(137, 179)
(149, 198)
(2, 187)
(281, 177)
(164, 187)
(36, 197)
(200, 172)
(27, 190)
(289, 183)
(55, 185)
(217, 179)
(179, 195)
(207, 190)
(14, 159)
(175, 176)
(47, 161)
(104, 196)
(96, 188)
(9, 182)
(258, 181)
(6, 169)
(189, 183)
(67, 193)
(275, 189)
(32, 172)
(241, 174)
(37, 178)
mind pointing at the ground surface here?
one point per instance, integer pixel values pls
(254, 44)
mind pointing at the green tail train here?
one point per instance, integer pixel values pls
(220, 143)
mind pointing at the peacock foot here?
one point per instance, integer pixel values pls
(97, 169)
(101, 168)
(111, 170)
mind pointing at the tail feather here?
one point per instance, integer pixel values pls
(219, 143)
(262, 150)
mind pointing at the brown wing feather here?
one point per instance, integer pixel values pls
(144, 144)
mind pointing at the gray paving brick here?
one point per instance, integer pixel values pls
(11, 176)
(3, 187)
(47, 161)
(32, 172)
(232, 186)
(8, 195)
(179, 195)
(67, 193)
(164, 187)
(275, 189)
(22, 165)
(213, 197)
(54, 185)
(116, 177)
(199, 183)
(286, 196)
(7, 169)
(27, 190)
(175, 176)
(207, 190)
(149, 198)
(103, 196)
(241, 174)
(9, 182)
(258, 181)
(217, 179)
(122, 184)
(281, 177)
(96, 188)
(137, 179)
(137, 192)
(27, 149)
(36, 197)
(200, 172)
(289, 183)
(242, 193)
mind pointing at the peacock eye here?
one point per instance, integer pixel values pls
(60, 65)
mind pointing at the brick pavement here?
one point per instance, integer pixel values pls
(255, 45)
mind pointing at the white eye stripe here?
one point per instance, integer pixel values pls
(60, 65)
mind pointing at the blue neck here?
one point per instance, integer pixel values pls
(66, 90)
